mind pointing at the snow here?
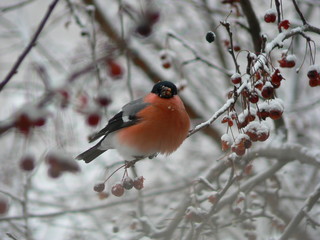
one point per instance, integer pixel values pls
(226, 138)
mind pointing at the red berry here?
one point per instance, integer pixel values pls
(313, 74)
(236, 48)
(275, 114)
(39, 122)
(114, 69)
(27, 163)
(267, 91)
(238, 150)
(225, 119)
(270, 16)
(313, 82)
(276, 77)
(253, 97)
(225, 145)
(258, 85)
(23, 123)
(263, 136)
(99, 187)
(236, 78)
(93, 119)
(285, 24)
(117, 190)
(138, 183)
(166, 64)
(263, 114)
(103, 101)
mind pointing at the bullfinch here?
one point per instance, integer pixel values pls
(156, 123)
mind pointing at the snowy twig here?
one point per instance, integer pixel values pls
(230, 50)
(214, 117)
(31, 44)
(308, 205)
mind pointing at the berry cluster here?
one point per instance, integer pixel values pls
(270, 16)
(314, 75)
(287, 61)
(119, 188)
(59, 163)
(28, 119)
(259, 103)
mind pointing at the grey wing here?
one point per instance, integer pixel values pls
(125, 118)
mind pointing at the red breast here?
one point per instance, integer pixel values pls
(164, 126)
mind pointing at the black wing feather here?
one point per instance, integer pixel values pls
(114, 124)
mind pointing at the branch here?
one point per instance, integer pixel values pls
(31, 44)
(254, 26)
(299, 12)
(95, 208)
(197, 55)
(309, 203)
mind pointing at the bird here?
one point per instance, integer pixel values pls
(156, 123)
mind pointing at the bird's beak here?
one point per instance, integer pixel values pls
(166, 92)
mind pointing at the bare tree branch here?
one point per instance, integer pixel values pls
(31, 44)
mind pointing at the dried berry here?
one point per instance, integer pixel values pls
(117, 190)
(99, 187)
(138, 183)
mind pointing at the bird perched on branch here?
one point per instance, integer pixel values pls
(156, 123)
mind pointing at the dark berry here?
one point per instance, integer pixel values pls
(127, 183)
(27, 163)
(93, 119)
(99, 187)
(267, 91)
(210, 37)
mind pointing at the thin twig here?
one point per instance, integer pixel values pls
(31, 44)
(299, 12)
(15, 6)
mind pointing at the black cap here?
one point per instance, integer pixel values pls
(165, 89)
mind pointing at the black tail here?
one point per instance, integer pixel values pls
(90, 154)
